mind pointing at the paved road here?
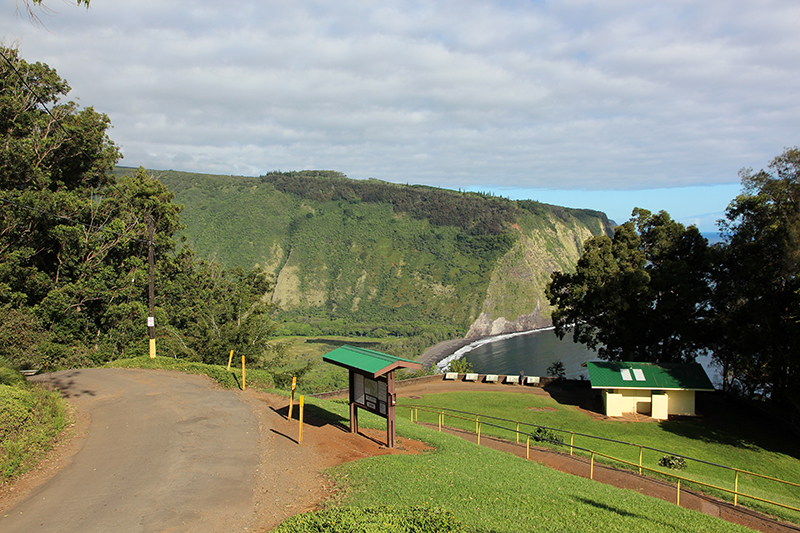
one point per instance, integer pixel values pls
(164, 452)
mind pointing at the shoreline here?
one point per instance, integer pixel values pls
(454, 348)
(436, 353)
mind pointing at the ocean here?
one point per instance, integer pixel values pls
(532, 352)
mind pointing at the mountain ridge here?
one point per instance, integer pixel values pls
(385, 258)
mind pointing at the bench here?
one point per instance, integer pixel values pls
(532, 380)
(451, 375)
(512, 379)
(471, 377)
(491, 378)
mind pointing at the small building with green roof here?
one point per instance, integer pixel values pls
(655, 390)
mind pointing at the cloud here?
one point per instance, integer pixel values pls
(572, 95)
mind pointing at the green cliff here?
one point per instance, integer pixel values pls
(386, 258)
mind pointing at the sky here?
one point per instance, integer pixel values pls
(605, 105)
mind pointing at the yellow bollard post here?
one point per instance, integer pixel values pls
(736, 490)
(640, 460)
(517, 432)
(230, 358)
(591, 468)
(678, 499)
(243, 382)
(291, 400)
(479, 432)
(441, 418)
(571, 442)
(528, 448)
(302, 398)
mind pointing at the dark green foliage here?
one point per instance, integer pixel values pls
(462, 366)
(756, 302)
(556, 370)
(10, 376)
(74, 242)
(547, 435)
(418, 519)
(441, 207)
(641, 296)
(658, 292)
(674, 462)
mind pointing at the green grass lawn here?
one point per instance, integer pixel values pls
(728, 439)
(486, 490)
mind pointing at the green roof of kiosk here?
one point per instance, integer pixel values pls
(368, 361)
(615, 375)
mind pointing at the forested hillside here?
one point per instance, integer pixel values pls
(366, 257)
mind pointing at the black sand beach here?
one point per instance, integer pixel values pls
(436, 353)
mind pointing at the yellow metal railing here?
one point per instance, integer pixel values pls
(452, 413)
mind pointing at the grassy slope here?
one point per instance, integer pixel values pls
(728, 438)
(30, 420)
(491, 491)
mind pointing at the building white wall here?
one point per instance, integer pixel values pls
(681, 402)
(655, 404)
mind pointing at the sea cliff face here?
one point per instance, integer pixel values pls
(376, 253)
(515, 299)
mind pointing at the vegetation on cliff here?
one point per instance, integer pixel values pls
(366, 257)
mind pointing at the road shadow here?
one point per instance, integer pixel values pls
(63, 382)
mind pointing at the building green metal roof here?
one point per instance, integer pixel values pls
(618, 375)
(368, 361)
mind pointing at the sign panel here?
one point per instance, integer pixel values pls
(370, 394)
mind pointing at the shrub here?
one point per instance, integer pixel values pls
(547, 435)
(9, 376)
(674, 462)
(418, 519)
(30, 417)
(461, 366)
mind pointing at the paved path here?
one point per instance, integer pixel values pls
(165, 451)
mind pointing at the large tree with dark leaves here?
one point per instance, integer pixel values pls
(641, 296)
(757, 304)
(73, 240)
(74, 245)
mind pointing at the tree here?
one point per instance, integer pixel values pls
(74, 242)
(643, 295)
(34, 18)
(756, 303)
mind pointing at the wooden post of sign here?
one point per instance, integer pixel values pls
(291, 400)
(230, 358)
(300, 439)
(243, 382)
(390, 401)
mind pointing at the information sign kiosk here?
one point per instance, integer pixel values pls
(371, 383)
